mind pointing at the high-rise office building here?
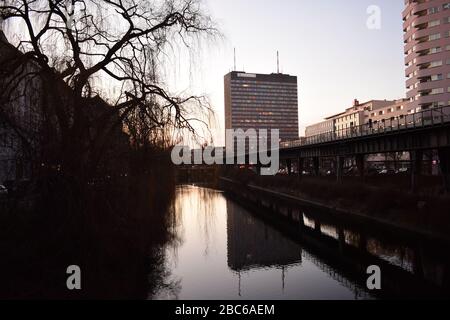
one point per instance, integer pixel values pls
(427, 49)
(262, 101)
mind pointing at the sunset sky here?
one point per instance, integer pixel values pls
(325, 43)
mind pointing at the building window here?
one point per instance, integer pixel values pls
(434, 23)
(435, 50)
(435, 64)
(436, 77)
(433, 10)
(435, 36)
(437, 91)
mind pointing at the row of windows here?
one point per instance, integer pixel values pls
(252, 104)
(433, 10)
(275, 107)
(432, 37)
(437, 22)
(265, 93)
(265, 97)
(259, 112)
(348, 117)
(236, 100)
(440, 76)
(279, 120)
(237, 84)
(263, 83)
(274, 94)
(260, 89)
(439, 90)
(262, 86)
(244, 112)
(268, 122)
(389, 110)
(434, 64)
(284, 112)
(265, 106)
(281, 127)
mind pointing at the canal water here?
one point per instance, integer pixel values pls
(222, 251)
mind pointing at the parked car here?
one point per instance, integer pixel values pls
(3, 191)
(9, 185)
(402, 170)
(386, 171)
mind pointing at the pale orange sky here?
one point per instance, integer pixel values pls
(326, 44)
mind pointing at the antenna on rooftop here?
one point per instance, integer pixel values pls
(234, 59)
(278, 62)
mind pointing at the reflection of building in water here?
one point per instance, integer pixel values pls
(253, 244)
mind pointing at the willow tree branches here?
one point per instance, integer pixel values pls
(95, 45)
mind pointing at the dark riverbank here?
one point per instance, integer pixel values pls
(113, 230)
(422, 213)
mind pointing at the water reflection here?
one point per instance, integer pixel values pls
(223, 252)
(253, 244)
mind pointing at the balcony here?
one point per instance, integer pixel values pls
(429, 99)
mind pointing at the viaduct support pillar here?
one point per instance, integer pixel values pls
(301, 221)
(444, 163)
(362, 242)
(416, 158)
(300, 165)
(289, 212)
(339, 168)
(360, 164)
(316, 166)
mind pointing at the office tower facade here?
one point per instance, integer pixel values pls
(426, 25)
(262, 101)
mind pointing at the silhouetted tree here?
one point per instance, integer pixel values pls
(83, 49)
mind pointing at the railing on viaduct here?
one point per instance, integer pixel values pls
(421, 119)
